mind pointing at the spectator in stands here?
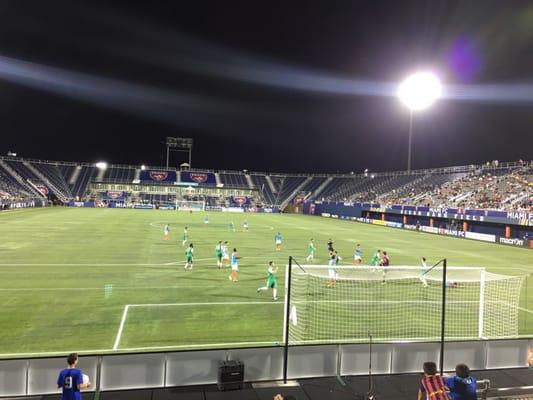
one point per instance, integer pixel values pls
(432, 385)
(462, 386)
(70, 379)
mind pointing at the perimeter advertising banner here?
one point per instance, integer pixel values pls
(200, 178)
(158, 176)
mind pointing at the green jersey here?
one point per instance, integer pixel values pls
(218, 252)
(271, 279)
(374, 261)
(189, 253)
(185, 235)
(311, 248)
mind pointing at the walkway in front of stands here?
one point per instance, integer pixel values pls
(387, 387)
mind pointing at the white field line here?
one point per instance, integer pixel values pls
(121, 326)
(213, 259)
(192, 346)
(125, 314)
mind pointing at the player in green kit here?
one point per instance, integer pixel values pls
(272, 282)
(231, 227)
(375, 261)
(185, 236)
(218, 254)
(311, 250)
(188, 256)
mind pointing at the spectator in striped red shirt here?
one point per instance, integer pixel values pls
(432, 386)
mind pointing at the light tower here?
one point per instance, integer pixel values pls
(418, 92)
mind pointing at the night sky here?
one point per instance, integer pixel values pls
(255, 83)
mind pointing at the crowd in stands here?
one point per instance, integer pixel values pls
(494, 186)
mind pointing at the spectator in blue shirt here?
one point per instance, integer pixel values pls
(70, 380)
(462, 386)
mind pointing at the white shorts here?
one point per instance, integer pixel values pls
(278, 241)
(331, 273)
(234, 267)
(225, 257)
(357, 258)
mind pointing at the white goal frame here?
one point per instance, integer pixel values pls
(412, 273)
(186, 205)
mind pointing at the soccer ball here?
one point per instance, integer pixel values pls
(85, 379)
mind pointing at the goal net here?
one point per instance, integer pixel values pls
(402, 303)
(190, 205)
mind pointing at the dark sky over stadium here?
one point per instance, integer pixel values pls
(283, 86)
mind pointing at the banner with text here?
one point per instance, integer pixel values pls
(158, 176)
(200, 178)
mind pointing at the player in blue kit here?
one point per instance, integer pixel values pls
(70, 379)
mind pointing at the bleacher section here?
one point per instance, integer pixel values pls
(503, 187)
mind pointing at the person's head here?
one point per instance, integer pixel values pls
(358, 245)
(424, 259)
(191, 246)
(379, 251)
(462, 371)
(186, 227)
(226, 242)
(72, 359)
(430, 368)
(220, 242)
(384, 253)
(234, 250)
(271, 263)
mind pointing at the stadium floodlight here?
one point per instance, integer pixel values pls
(418, 92)
(143, 167)
(101, 165)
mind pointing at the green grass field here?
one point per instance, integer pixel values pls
(67, 274)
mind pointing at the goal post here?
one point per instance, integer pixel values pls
(190, 205)
(399, 303)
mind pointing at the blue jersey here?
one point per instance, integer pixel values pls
(234, 259)
(68, 380)
(278, 238)
(462, 388)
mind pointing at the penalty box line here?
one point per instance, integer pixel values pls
(219, 303)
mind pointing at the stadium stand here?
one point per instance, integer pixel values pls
(498, 186)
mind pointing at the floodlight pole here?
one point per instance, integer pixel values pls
(410, 141)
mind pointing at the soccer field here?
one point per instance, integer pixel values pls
(101, 280)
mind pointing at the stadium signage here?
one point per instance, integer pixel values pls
(198, 177)
(158, 175)
(512, 241)
(481, 236)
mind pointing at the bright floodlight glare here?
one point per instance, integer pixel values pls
(420, 90)
(143, 167)
(101, 165)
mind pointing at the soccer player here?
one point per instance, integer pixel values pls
(331, 270)
(245, 226)
(219, 254)
(70, 379)
(357, 256)
(234, 276)
(189, 255)
(330, 245)
(311, 250)
(166, 231)
(272, 282)
(278, 239)
(206, 219)
(338, 258)
(424, 272)
(375, 260)
(385, 262)
(225, 254)
(185, 236)
(231, 227)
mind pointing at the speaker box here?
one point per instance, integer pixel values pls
(230, 375)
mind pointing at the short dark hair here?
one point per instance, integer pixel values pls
(430, 368)
(462, 371)
(71, 359)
